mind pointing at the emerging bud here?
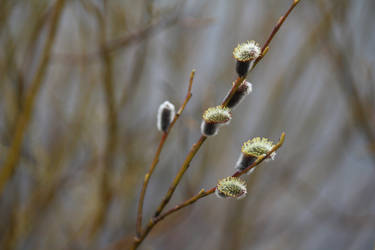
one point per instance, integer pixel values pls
(251, 150)
(231, 187)
(245, 55)
(213, 118)
(242, 91)
(166, 115)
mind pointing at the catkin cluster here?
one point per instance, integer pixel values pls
(214, 118)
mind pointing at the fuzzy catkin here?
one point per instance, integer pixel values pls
(165, 116)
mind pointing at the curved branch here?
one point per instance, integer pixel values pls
(157, 154)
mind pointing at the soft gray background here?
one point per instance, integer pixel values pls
(316, 84)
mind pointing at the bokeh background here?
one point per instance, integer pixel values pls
(91, 136)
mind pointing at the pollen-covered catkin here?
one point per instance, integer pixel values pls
(251, 150)
(242, 91)
(245, 55)
(213, 119)
(231, 187)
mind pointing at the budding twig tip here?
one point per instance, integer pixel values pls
(265, 51)
(282, 137)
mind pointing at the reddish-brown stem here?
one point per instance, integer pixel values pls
(157, 154)
(279, 23)
(276, 29)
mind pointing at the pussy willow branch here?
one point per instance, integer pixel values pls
(195, 148)
(204, 193)
(157, 154)
(11, 161)
(201, 140)
(191, 155)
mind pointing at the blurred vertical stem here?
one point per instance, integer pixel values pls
(139, 58)
(28, 106)
(105, 189)
(349, 86)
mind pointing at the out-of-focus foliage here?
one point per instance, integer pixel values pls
(92, 132)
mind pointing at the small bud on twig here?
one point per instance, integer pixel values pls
(231, 187)
(251, 150)
(166, 115)
(213, 118)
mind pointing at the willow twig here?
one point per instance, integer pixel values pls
(279, 23)
(276, 28)
(157, 154)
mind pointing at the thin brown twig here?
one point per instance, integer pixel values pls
(278, 25)
(157, 154)
(24, 119)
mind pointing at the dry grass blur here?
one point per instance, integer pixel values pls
(80, 84)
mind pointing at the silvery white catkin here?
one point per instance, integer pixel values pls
(166, 113)
(209, 128)
(244, 161)
(242, 91)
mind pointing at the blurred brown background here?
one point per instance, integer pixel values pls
(92, 130)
